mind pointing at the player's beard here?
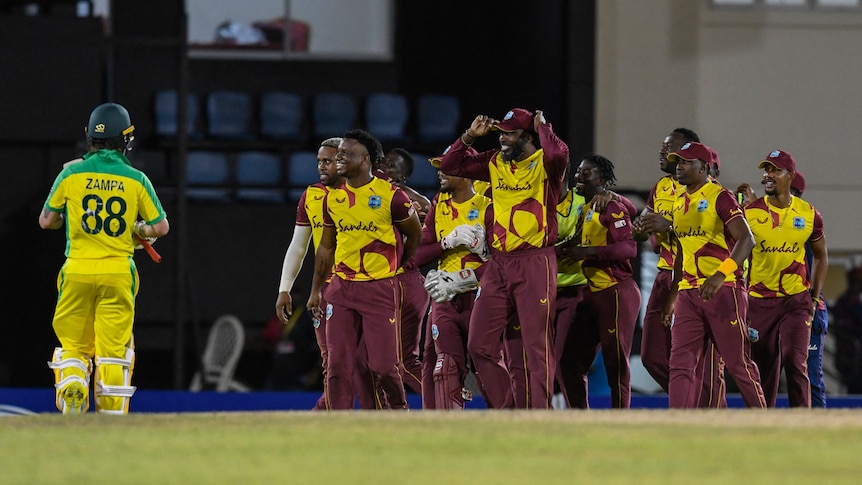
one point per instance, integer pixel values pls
(515, 150)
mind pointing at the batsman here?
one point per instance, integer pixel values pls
(98, 199)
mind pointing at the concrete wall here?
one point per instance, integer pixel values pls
(747, 82)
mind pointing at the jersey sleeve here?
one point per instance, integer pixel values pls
(327, 217)
(727, 207)
(301, 213)
(402, 208)
(621, 245)
(460, 161)
(817, 233)
(556, 152)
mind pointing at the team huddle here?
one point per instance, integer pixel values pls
(532, 273)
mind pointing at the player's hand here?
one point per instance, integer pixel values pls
(667, 310)
(431, 279)
(450, 284)
(463, 235)
(480, 126)
(601, 200)
(139, 230)
(745, 195)
(283, 306)
(710, 287)
(652, 223)
(313, 306)
(538, 120)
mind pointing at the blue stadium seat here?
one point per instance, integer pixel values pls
(166, 114)
(302, 172)
(425, 177)
(229, 115)
(282, 116)
(208, 177)
(259, 177)
(437, 117)
(386, 116)
(333, 114)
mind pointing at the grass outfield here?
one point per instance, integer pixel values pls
(475, 447)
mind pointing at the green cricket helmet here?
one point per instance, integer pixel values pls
(109, 120)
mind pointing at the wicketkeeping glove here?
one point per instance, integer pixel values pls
(480, 248)
(463, 235)
(450, 284)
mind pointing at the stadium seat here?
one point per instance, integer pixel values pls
(424, 178)
(208, 177)
(386, 116)
(259, 177)
(437, 118)
(166, 114)
(282, 116)
(229, 115)
(333, 114)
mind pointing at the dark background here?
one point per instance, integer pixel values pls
(494, 55)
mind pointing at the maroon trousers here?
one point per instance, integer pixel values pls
(363, 314)
(524, 282)
(722, 320)
(414, 306)
(655, 349)
(568, 299)
(784, 328)
(608, 320)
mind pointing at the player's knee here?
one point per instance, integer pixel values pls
(113, 383)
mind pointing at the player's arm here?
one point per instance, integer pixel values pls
(293, 259)
(820, 259)
(740, 231)
(323, 261)
(429, 248)
(412, 231)
(158, 229)
(420, 202)
(667, 310)
(556, 152)
(49, 219)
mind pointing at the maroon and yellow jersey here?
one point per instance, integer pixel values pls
(482, 187)
(446, 215)
(368, 245)
(778, 264)
(660, 201)
(611, 232)
(525, 193)
(309, 211)
(699, 221)
(101, 196)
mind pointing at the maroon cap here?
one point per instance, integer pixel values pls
(715, 159)
(779, 159)
(798, 182)
(516, 119)
(692, 151)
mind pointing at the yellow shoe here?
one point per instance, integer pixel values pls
(75, 399)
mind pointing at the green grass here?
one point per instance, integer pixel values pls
(475, 447)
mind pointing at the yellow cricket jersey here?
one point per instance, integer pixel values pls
(660, 201)
(611, 232)
(101, 196)
(368, 246)
(309, 211)
(522, 219)
(569, 273)
(778, 264)
(448, 215)
(699, 221)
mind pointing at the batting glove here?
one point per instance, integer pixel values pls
(139, 228)
(463, 235)
(451, 284)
